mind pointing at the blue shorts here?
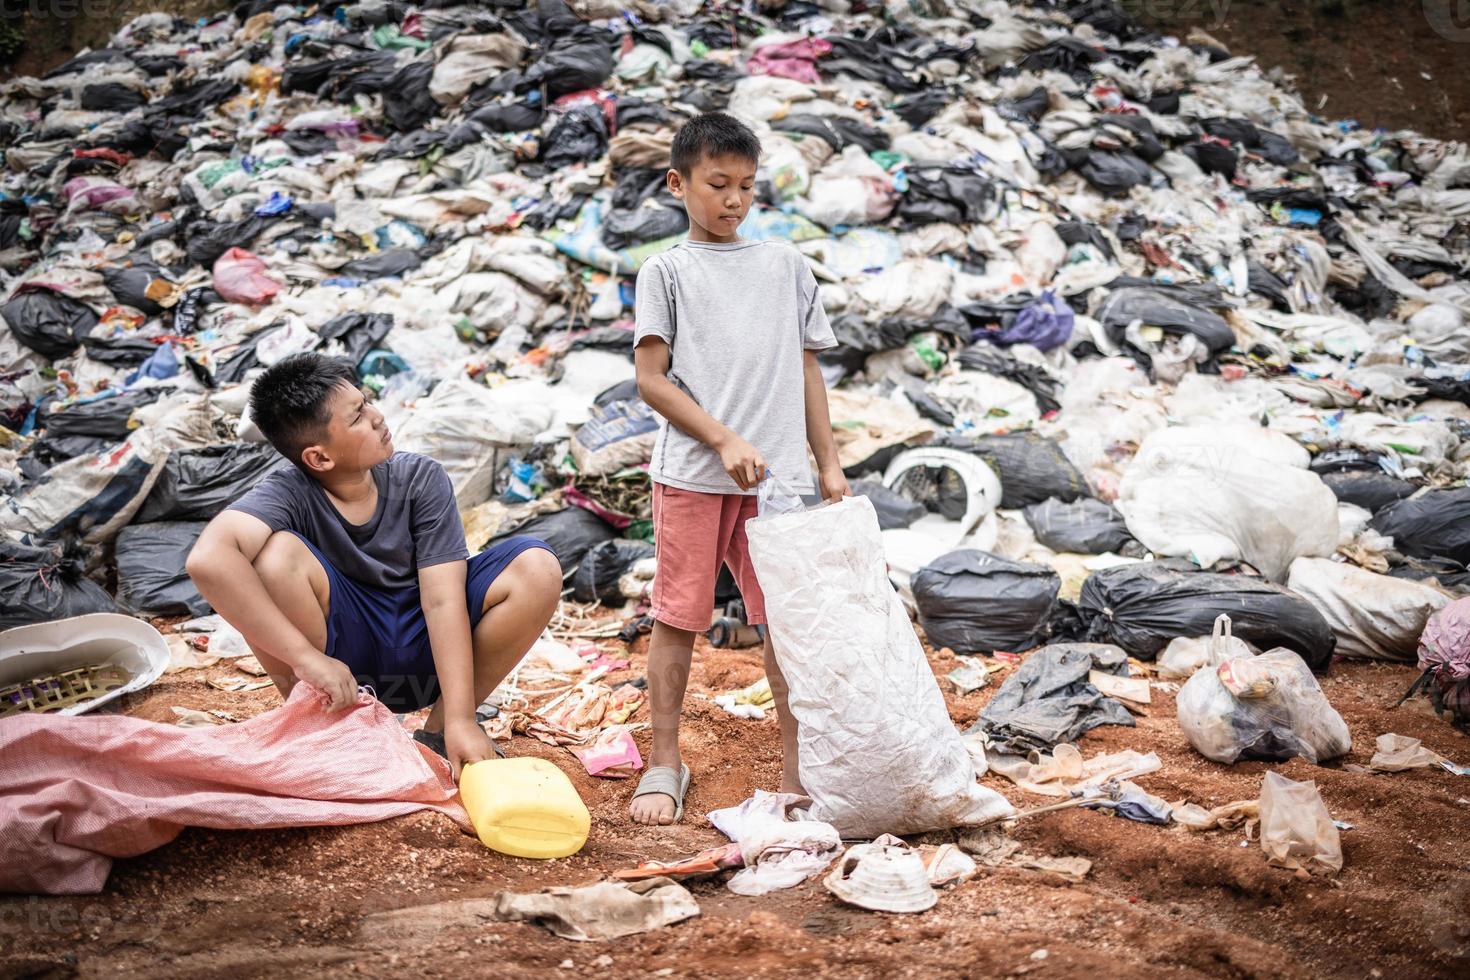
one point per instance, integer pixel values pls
(383, 637)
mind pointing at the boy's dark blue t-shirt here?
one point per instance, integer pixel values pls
(416, 523)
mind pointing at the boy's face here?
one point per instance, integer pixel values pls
(717, 194)
(354, 438)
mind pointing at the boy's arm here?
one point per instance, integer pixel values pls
(651, 359)
(222, 565)
(831, 481)
(442, 593)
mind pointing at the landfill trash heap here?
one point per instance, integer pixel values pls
(1131, 272)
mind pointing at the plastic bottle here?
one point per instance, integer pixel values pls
(524, 807)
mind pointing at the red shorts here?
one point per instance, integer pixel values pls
(693, 534)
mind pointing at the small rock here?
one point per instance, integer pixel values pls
(603, 960)
(1040, 954)
(565, 965)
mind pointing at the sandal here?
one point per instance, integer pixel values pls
(663, 779)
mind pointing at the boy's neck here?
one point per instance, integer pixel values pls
(707, 237)
(349, 487)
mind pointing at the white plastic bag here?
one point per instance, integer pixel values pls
(1296, 830)
(878, 750)
(1265, 707)
(470, 429)
(1374, 616)
(1187, 654)
(1208, 493)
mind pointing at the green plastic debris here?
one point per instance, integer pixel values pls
(389, 38)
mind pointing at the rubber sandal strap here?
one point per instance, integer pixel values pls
(664, 780)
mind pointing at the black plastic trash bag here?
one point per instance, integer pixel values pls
(357, 332)
(106, 418)
(1086, 526)
(47, 322)
(836, 131)
(119, 351)
(596, 579)
(974, 602)
(1449, 574)
(569, 533)
(621, 229)
(207, 240)
(894, 509)
(150, 569)
(1049, 700)
(1077, 232)
(508, 117)
(984, 356)
(1142, 607)
(38, 585)
(1435, 524)
(1372, 490)
(1031, 467)
(1214, 158)
(578, 137)
(578, 56)
(917, 110)
(1026, 108)
(382, 265)
(1167, 310)
(948, 194)
(407, 103)
(1264, 282)
(129, 286)
(1113, 173)
(196, 484)
(111, 97)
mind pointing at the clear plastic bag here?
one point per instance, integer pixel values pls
(774, 496)
(1187, 654)
(1297, 832)
(1265, 707)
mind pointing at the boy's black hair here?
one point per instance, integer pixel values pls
(289, 401)
(712, 134)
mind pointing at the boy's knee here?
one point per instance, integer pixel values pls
(282, 559)
(537, 574)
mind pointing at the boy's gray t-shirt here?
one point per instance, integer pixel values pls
(416, 522)
(736, 318)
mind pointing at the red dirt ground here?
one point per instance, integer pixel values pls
(389, 898)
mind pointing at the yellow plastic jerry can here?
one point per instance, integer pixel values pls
(524, 807)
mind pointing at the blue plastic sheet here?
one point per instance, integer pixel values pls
(1044, 324)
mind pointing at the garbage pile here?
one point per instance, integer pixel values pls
(1172, 345)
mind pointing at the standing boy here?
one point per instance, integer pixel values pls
(725, 348)
(350, 567)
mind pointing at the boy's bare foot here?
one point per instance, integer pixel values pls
(792, 785)
(655, 802)
(655, 809)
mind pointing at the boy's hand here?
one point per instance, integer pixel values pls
(832, 482)
(743, 462)
(331, 677)
(466, 742)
